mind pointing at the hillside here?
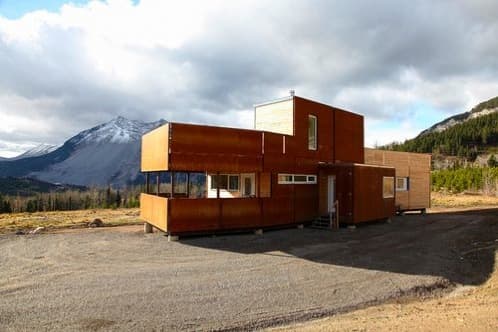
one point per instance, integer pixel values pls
(27, 186)
(463, 135)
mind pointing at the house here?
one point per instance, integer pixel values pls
(303, 160)
(413, 173)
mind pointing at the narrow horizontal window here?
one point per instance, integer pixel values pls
(296, 179)
(284, 179)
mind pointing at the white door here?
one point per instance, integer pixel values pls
(331, 194)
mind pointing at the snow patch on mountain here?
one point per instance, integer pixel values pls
(119, 130)
(38, 150)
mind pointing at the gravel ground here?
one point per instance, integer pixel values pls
(115, 280)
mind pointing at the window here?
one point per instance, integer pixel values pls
(180, 183)
(300, 178)
(312, 132)
(296, 179)
(225, 181)
(284, 178)
(401, 184)
(388, 187)
(233, 182)
(311, 179)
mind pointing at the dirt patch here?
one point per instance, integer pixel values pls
(140, 281)
(465, 309)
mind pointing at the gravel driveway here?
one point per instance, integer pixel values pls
(114, 280)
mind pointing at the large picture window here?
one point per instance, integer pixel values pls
(388, 186)
(225, 181)
(312, 131)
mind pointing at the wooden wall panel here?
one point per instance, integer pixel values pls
(154, 155)
(275, 117)
(415, 166)
(154, 210)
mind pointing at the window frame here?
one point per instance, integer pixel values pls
(230, 176)
(214, 180)
(309, 178)
(313, 147)
(405, 186)
(392, 192)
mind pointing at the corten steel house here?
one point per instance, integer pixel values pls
(304, 160)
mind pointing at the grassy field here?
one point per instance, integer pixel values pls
(114, 217)
(439, 200)
(66, 219)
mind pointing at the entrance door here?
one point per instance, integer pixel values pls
(331, 194)
(247, 186)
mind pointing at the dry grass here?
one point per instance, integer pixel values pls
(439, 200)
(66, 219)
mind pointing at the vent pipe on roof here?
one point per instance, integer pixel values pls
(292, 93)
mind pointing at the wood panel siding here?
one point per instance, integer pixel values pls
(415, 166)
(154, 155)
(277, 117)
(154, 210)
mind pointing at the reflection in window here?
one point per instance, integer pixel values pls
(388, 186)
(312, 132)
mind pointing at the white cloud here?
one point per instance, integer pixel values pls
(210, 61)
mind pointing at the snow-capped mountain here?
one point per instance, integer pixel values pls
(484, 108)
(106, 154)
(38, 150)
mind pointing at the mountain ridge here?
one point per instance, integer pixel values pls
(105, 154)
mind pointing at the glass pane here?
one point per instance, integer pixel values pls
(312, 179)
(300, 178)
(180, 183)
(311, 132)
(234, 182)
(283, 178)
(197, 185)
(388, 186)
(222, 182)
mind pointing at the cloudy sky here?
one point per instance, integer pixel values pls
(68, 65)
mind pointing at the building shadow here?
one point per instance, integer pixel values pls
(459, 246)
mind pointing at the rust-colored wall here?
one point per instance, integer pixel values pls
(214, 149)
(348, 131)
(359, 192)
(368, 201)
(325, 124)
